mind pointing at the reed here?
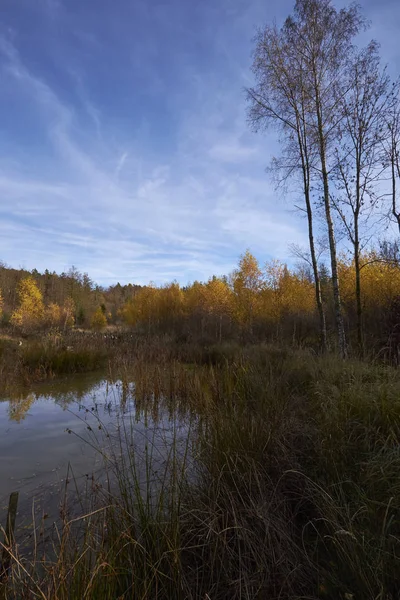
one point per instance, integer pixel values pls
(285, 486)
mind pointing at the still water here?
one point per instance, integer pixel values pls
(54, 432)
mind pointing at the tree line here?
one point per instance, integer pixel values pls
(337, 112)
(272, 302)
(30, 300)
(253, 303)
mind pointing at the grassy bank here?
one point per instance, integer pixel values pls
(28, 360)
(289, 488)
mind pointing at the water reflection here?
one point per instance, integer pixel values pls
(18, 408)
(105, 396)
(60, 426)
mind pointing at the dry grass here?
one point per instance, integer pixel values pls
(287, 488)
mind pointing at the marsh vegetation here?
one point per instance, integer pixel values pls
(282, 483)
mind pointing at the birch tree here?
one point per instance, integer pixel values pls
(280, 99)
(360, 168)
(303, 78)
(391, 148)
(30, 313)
(247, 282)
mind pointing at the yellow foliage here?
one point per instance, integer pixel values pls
(170, 301)
(152, 306)
(99, 320)
(286, 293)
(250, 295)
(53, 314)
(211, 304)
(17, 409)
(61, 316)
(248, 282)
(195, 298)
(30, 313)
(380, 281)
(217, 297)
(142, 307)
(67, 313)
(298, 295)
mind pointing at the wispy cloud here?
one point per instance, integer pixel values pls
(146, 183)
(120, 165)
(232, 151)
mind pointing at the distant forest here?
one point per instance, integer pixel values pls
(58, 290)
(269, 302)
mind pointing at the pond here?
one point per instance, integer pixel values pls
(56, 434)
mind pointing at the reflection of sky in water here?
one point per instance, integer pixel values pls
(36, 448)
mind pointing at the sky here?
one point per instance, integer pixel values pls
(124, 147)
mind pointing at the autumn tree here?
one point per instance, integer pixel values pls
(98, 320)
(60, 316)
(280, 99)
(1, 304)
(324, 40)
(359, 165)
(380, 281)
(53, 314)
(247, 282)
(217, 303)
(391, 152)
(70, 287)
(142, 308)
(68, 313)
(313, 47)
(170, 306)
(195, 307)
(29, 315)
(289, 292)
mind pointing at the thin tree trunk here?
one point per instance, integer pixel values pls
(331, 234)
(360, 338)
(317, 281)
(394, 211)
(306, 183)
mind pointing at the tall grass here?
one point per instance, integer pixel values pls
(286, 486)
(56, 354)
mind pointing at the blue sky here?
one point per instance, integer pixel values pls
(124, 148)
